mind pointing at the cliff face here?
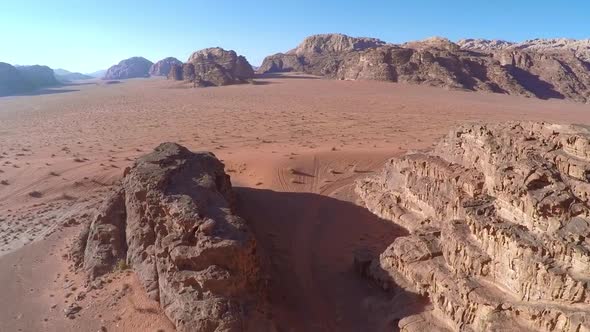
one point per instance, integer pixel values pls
(500, 228)
(440, 62)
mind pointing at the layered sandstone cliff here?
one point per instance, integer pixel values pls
(440, 62)
(172, 220)
(500, 228)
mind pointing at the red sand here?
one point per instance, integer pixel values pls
(293, 147)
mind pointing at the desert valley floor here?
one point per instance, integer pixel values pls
(293, 145)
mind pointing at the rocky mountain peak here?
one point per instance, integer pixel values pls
(334, 43)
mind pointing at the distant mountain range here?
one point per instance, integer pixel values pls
(24, 79)
(98, 73)
(63, 75)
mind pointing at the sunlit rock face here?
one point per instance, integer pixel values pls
(500, 228)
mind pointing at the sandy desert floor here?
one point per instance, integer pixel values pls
(293, 145)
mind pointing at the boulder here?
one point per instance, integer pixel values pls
(134, 67)
(172, 220)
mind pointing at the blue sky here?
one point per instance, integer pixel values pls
(86, 36)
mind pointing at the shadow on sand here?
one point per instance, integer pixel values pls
(288, 75)
(308, 242)
(39, 92)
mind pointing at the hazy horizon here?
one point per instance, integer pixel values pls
(90, 37)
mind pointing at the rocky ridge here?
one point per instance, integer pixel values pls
(162, 67)
(580, 48)
(135, 67)
(500, 228)
(22, 79)
(442, 63)
(172, 221)
(213, 67)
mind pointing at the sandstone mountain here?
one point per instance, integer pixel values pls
(213, 67)
(440, 62)
(129, 68)
(499, 222)
(172, 220)
(580, 48)
(22, 79)
(162, 67)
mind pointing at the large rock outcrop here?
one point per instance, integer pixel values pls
(323, 46)
(499, 218)
(172, 221)
(580, 48)
(214, 67)
(440, 62)
(23, 79)
(135, 67)
(163, 67)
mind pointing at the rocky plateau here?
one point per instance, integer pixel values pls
(499, 224)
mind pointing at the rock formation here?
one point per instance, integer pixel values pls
(499, 218)
(22, 79)
(580, 48)
(214, 67)
(440, 62)
(163, 67)
(172, 221)
(323, 46)
(129, 68)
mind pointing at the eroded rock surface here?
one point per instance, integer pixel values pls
(214, 67)
(500, 228)
(439, 62)
(172, 221)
